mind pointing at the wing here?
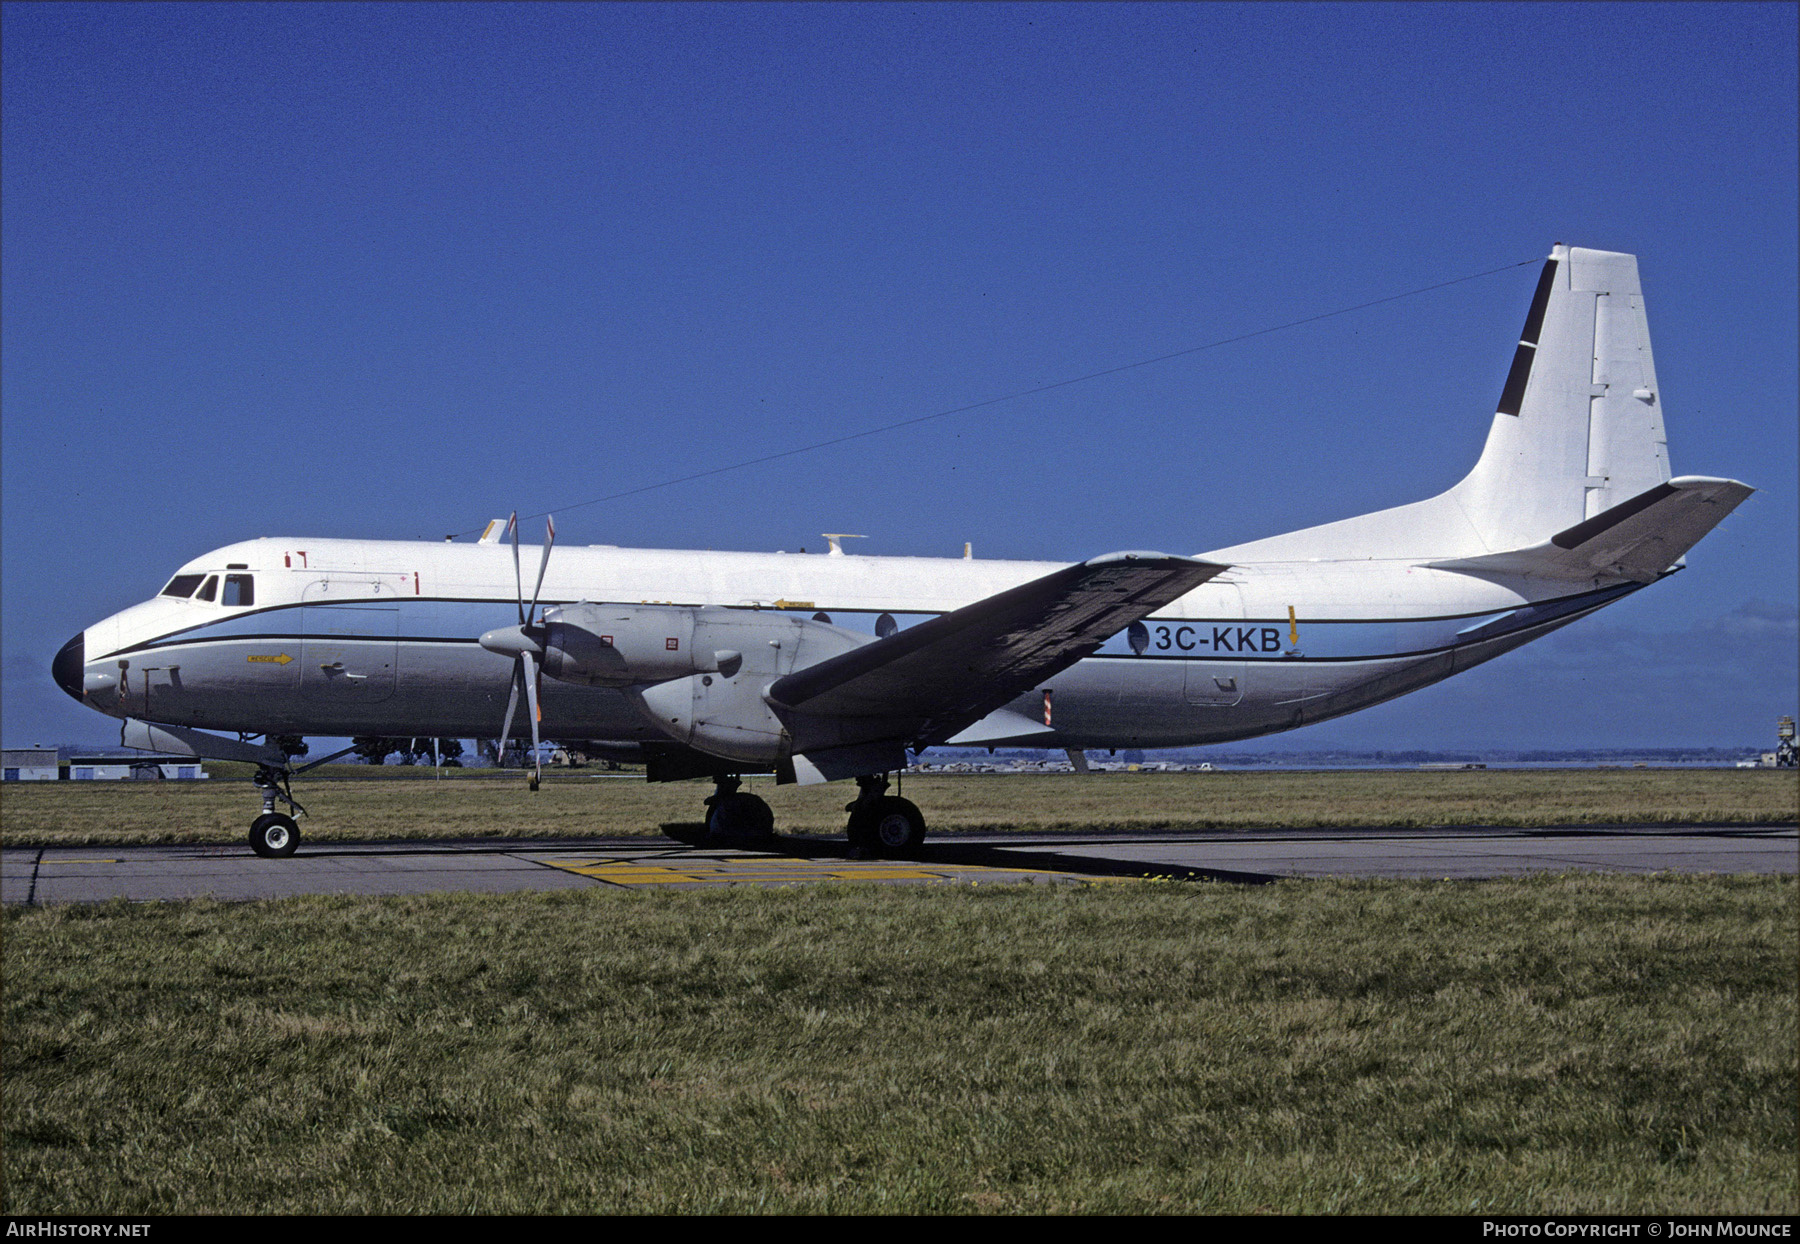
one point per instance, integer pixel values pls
(929, 681)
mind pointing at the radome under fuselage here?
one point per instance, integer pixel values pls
(352, 637)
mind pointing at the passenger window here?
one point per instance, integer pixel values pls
(182, 585)
(240, 589)
(209, 589)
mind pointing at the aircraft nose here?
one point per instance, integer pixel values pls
(69, 664)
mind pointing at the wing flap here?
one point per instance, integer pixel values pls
(941, 675)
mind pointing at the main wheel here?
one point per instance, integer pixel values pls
(273, 835)
(740, 816)
(893, 827)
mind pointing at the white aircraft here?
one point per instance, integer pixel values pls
(821, 667)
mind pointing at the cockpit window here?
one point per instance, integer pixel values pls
(209, 589)
(240, 589)
(183, 585)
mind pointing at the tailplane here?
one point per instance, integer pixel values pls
(1577, 436)
(1637, 539)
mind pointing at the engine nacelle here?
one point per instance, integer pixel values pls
(623, 645)
(722, 710)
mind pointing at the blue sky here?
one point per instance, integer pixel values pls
(389, 271)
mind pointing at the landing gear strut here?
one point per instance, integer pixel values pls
(731, 813)
(882, 823)
(275, 834)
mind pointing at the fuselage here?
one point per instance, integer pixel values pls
(359, 637)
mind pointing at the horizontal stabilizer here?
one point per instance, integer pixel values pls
(934, 679)
(1637, 539)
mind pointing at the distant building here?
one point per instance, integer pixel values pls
(135, 768)
(1785, 756)
(30, 764)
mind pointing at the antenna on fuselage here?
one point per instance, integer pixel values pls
(836, 549)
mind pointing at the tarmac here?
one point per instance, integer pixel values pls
(232, 872)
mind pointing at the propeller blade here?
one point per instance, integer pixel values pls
(512, 529)
(528, 670)
(543, 565)
(521, 644)
(512, 704)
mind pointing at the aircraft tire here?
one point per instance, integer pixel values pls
(893, 828)
(274, 836)
(740, 816)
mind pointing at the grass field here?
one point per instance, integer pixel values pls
(1566, 1044)
(579, 804)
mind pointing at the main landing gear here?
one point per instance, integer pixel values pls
(735, 814)
(880, 824)
(275, 835)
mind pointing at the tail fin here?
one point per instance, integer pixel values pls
(1578, 430)
(1579, 427)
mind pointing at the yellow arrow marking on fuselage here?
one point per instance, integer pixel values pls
(283, 659)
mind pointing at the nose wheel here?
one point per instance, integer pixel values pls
(275, 835)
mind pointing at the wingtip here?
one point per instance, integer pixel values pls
(1686, 482)
(1151, 557)
(1141, 555)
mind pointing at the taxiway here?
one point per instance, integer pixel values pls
(93, 874)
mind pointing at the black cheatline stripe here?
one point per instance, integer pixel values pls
(1233, 658)
(1581, 533)
(1574, 615)
(164, 645)
(175, 639)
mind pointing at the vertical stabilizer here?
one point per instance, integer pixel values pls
(1578, 430)
(1579, 426)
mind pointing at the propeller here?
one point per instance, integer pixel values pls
(525, 644)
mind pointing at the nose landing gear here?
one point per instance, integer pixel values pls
(275, 835)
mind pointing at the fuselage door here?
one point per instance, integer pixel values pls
(351, 625)
(1216, 677)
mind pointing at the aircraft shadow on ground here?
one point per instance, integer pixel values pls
(970, 855)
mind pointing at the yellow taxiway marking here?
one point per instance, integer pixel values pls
(766, 869)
